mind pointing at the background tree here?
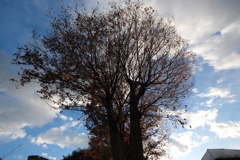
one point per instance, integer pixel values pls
(95, 153)
(126, 69)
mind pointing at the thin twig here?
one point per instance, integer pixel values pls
(11, 152)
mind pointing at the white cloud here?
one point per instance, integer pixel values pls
(195, 90)
(62, 136)
(212, 28)
(220, 80)
(49, 157)
(200, 118)
(44, 154)
(209, 102)
(63, 117)
(21, 107)
(208, 119)
(183, 143)
(45, 146)
(205, 138)
(232, 101)
(221, 51)
(71, 124)
(217, 94)
(226, 129)
(214, 92)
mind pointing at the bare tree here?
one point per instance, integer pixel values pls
(127, 69)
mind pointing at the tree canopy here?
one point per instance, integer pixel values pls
(126, 69)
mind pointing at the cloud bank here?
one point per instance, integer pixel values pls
(212, 28)
(20, 108)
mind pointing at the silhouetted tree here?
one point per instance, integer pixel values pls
(126, 69)
(75, 155)
(92, 153)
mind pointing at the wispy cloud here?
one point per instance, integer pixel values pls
(220, 80)
(214, 92)
(65, 118)
(18, 157)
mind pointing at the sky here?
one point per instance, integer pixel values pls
(213, 30)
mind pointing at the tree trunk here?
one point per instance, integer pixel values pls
(136, 146)
(115, 136)
(116, 141)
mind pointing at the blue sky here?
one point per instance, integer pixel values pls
(213, 30)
